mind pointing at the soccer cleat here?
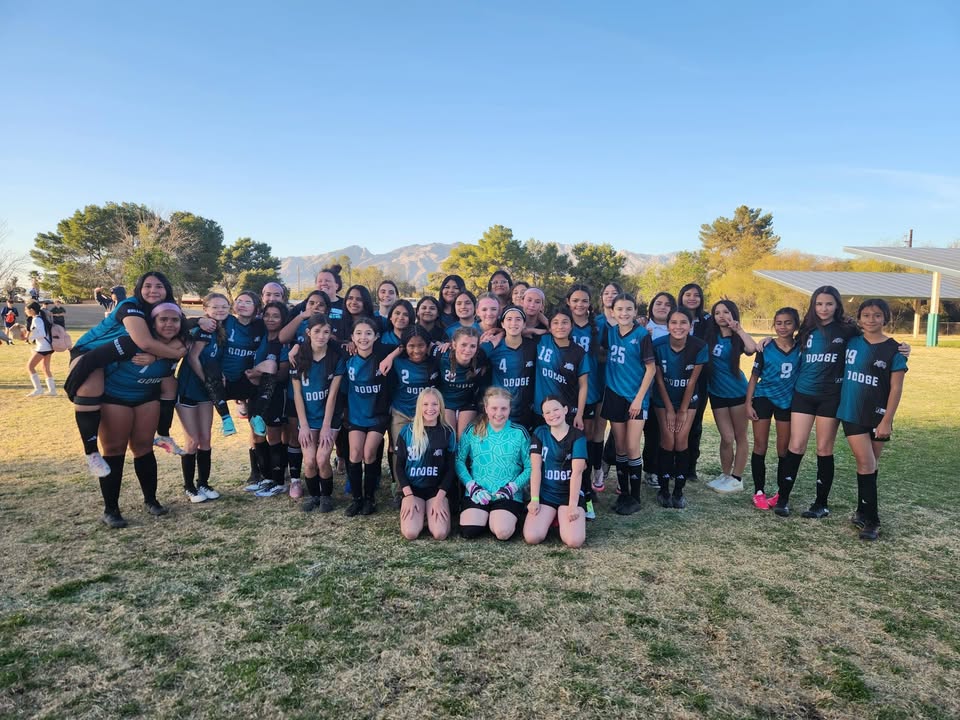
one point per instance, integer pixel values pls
(258, 425)
(310, 503)
(781, 509)
(870, 532)
(354, 507)
(326, 504)
(208, 492)
(679, 502)
(369, 507)
(651, 480)
(259, 485)
(97, 465)
(195, 497)
(167, 443)
(296, 489)
(729, 485)
(760, 501)
(626, 505)
(599, 480)
(155, 508)
(37, 392)
(271, 489)
(773, 500)
(718, 480)
(858, 520)
(227, 427)
(113, 520)
(816, 512)
(663, 500)
(589, 513)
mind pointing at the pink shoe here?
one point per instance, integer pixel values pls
(772, 500)
(760, 501)
(296, 489)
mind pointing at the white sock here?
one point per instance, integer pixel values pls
(51, 385)
(35, 379)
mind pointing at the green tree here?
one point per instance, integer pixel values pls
(475, 263)
(80, 255)
(549, 268)
(247, 265)
(201, 259)
(686, 267)
(597, 265)
(737, 243)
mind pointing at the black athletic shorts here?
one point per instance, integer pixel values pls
(818, 405)
(765, 410)
(582, 502)
(717, 402)
(240, 389)
(512, 506)
(380, 425)
(616, 408)
(110, 400)
(590, 411)
(850, 428)
(424, 493)
(44, 352)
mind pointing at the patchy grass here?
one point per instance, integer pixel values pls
(242, 607)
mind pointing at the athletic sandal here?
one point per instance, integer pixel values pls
(326, 504)
(773, 500)
(858, 520)
(781, 510)
(258, 425)
(664, 500)
(599, 483)
(113, 520)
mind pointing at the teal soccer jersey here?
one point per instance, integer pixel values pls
(777, 373)
(866, 380)
(676, 367)
(557, 457)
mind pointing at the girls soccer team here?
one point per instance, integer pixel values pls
(496, 414)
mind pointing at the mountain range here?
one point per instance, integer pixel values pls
(413, 263)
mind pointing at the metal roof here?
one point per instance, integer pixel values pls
(943, 260)
(864, 284)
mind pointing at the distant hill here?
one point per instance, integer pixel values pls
(411, 262)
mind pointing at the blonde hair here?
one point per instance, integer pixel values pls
(482, 422)
(418, 429)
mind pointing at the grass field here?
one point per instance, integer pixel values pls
(249, 608)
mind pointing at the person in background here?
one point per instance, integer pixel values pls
(43, 350)
(10, 317)
(118, 293)
(58, 313)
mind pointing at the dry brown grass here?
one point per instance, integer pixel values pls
(246, 607)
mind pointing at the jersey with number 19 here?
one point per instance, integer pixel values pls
(866, 380)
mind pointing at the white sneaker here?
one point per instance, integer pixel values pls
(167, 443)
(271, 490)
(718, 480)
(208, 492)
(36, 393)
(730, 485)
(259, 485)
(97, 465)
(651, 480)
(51, 393)
(195, 497)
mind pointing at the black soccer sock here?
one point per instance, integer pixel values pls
(469, 532)
(758, 468)
(355, 478)
(623, 475)
(278, 462)
(188, 468)
(88, 423)
(635, 472)
(313, 485)
(787, 469)
(203, 467)
(371, 478)
(254, 466)
(666, 464)
(825, 471)
(166, 417)
(868, 506)
(215, 391)
(594, 454)
(294, 461)
(326, 486)
(262, 452)
(145, 467)
(110, 485)
(681, 459)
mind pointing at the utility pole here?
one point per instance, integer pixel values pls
(910, 239)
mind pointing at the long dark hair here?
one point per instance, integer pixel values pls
(736, 342)
(365, 298)
(411, 313)
(182, 334)
(42, 314)
(138, 288)
(443, 303)
(282, 307)
(811, 322)
(323, 296)
(505, 275)
(591, 314)
(436, 304)
(670, 298)
(305, 354)
(457, 334)
(415, 331)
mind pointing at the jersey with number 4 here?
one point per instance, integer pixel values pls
(513, 369)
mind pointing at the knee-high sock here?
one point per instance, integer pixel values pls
(262, 452)
(88, 423)
(146, 468)
(313, 485)
(868, 505)
(758, 468)
(295, 461)
(355, 477)
(166, 417)
(682, 463)
(278, 461)
(787, 469)
(188, 468)
(371, 478)
(203, 467)
(110, 485)
(825, 471)
(594, 454)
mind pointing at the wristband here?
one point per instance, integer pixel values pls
(535, 498)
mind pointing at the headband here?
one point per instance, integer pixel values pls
(165, 306)
(513, 308)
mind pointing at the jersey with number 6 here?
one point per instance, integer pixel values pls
(777, 373)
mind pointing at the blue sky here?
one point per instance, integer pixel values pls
(312, 126)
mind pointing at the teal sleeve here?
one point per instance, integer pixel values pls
(463, 453)
(522, 480)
